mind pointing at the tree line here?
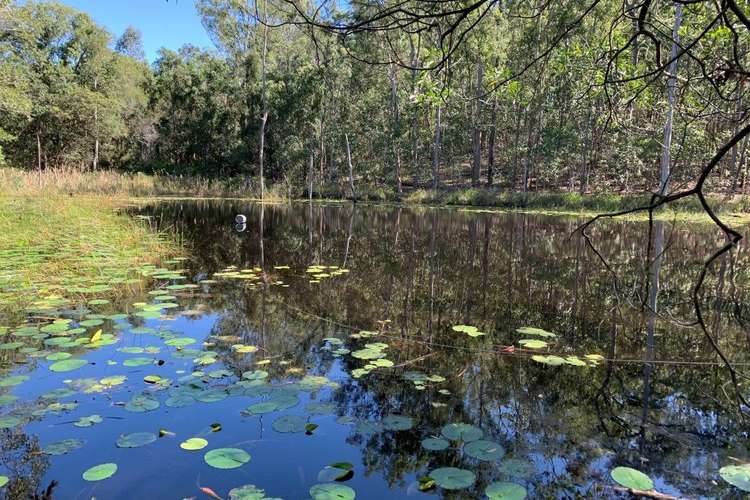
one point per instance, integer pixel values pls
(519, 95)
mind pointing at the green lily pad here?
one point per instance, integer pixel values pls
(249, 492)
(397, 423)
(335, 472)
(289, 423)
(332, 491)
(88, 421)
(462, 432)
(484, 450)
(141, 404)
(9, 422)
(137, 362)
(528, 330)
(435, 444)
(471, 331)
(533, 343)
(67, 365)
(452, 478)
(226, 458)
(100, 472)
(631, 478)
(505, 491)
(3, 481)
(63, 447)
(135, 439)
(14, 380)
(736, 475)
(194, 444)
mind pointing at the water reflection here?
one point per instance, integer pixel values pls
(659, 404)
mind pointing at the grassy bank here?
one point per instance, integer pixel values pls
(55, 248)
(134, 185)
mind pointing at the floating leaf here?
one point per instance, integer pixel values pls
(528, 330)
(9, 422)
(336, 472)
(100, 472)
(435, 444)
(193, 444)
(461, 432)
(452, 478)
(533, 343)
(736, 475)
(484, 450)
(135, 439)
(471, 331)
(289, 423)
(3, 481)
(397, 423)
(63, 447)
(248, 492)
(505, 491)
(631, 478)
(332, 491)
(67, 365)
(14, 380)
(226, 458)
(88, 421)
(140, 404)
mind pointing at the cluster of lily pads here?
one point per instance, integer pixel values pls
(319, 272)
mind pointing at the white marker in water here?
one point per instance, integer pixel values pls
(240, 219)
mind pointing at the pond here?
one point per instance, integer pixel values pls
(336, 349)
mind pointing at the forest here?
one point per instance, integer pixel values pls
(602, 96)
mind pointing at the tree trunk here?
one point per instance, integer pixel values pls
(310, 175)
(477, 134)
(436, 148)
(95, 164)
(491, 144)
(264, 102)
(396, 127)
(664, 165)
(351, 167)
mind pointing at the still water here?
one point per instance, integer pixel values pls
(386, 341)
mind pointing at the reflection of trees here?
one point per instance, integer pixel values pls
(24, 462)
(428, 269)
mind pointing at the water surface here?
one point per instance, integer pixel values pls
(263, 333)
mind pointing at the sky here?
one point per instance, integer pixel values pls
(163, 23)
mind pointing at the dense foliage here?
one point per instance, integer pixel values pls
(521, 102)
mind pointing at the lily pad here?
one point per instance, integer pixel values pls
(484, 450)
(289, 423)
(63, 447)
(67, 365)
(462, 432)
(135, 439)
(435, 444)
(529, 330)
(336, 472)
(3, 481)
(194, 444)
(505, 491)
(100, 472)
(141, 404)
(226, 458)
(736, 475)
(332, 491)
(397, 423)
(452, 478)
(631, 478)
(533, 343)
(9, 422)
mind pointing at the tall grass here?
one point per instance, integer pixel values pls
(123, 184)
(52, 243)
